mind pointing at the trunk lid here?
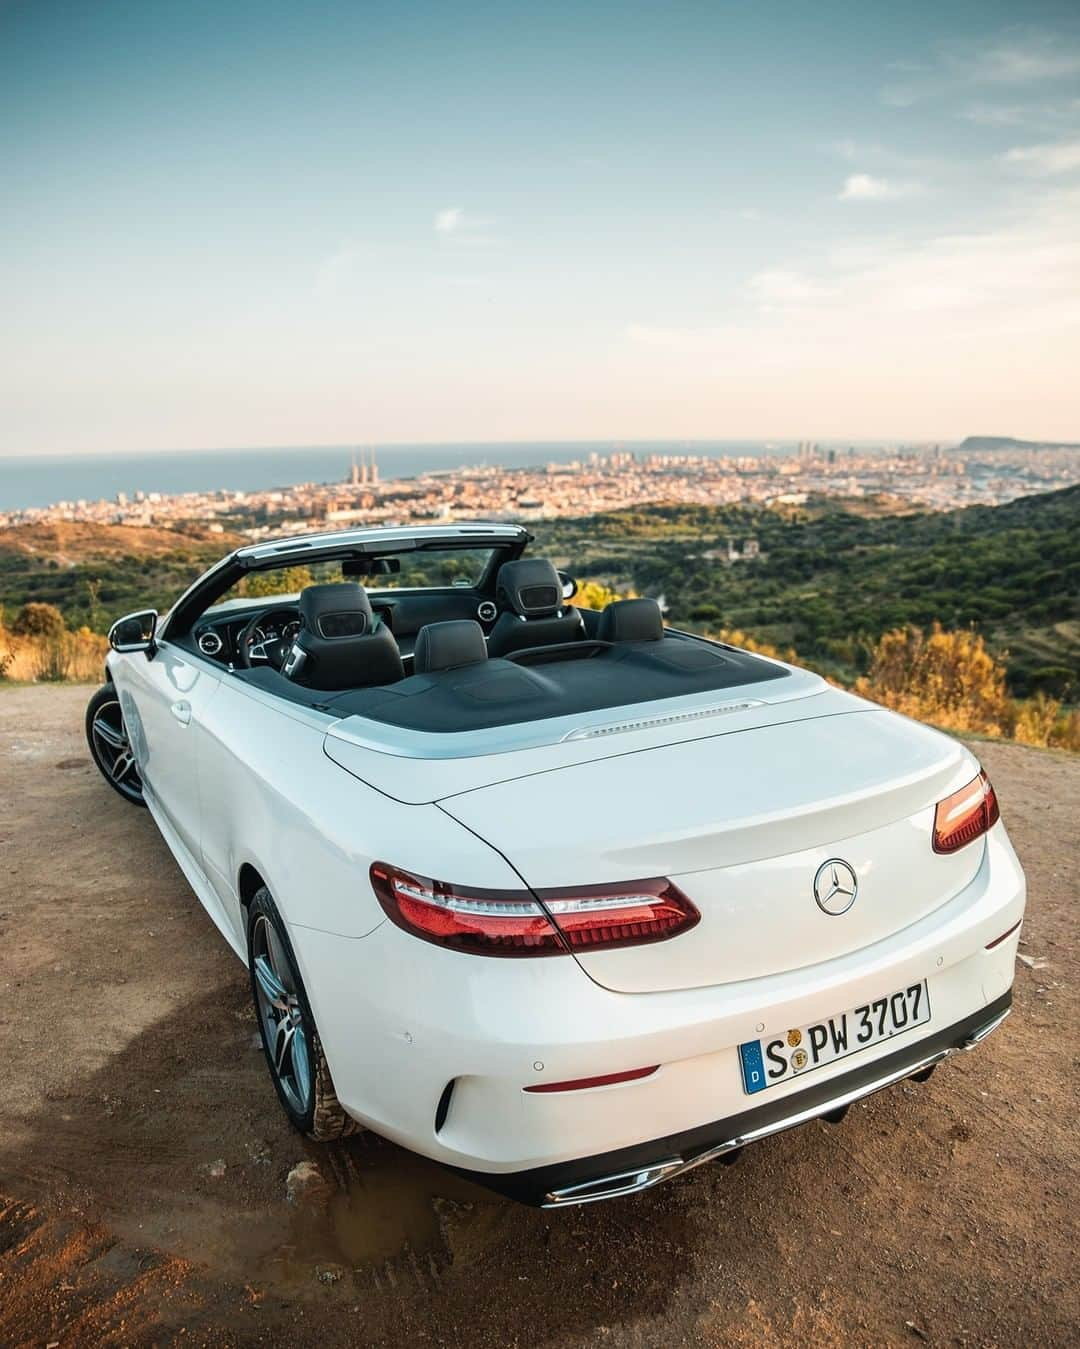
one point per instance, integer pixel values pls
(742, 822)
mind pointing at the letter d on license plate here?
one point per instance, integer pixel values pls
(779, 1057)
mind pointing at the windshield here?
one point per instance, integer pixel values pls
(420, 569)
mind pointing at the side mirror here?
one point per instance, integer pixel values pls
(569, 585)
(134, 632)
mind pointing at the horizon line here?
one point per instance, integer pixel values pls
(610, 442)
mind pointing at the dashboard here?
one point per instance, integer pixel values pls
(219, 637)
(217, 633)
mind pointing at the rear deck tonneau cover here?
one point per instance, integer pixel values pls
(418, 768)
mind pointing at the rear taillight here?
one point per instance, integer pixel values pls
(629, 914)
(519, 923)
(484, 922)
(966, 815)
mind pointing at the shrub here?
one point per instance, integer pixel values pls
(948, 678)
(52, 657)
(734, 637)
(38, 620)
(1036, 719)
(596, 595)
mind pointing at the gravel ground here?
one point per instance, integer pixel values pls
(144, 1162)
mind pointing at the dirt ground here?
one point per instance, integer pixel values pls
(144, 1159)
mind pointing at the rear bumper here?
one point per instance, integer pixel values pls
(433, 1049)
(630, 1170)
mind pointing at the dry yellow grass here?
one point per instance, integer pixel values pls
(52, 657)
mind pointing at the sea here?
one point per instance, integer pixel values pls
(44, 479)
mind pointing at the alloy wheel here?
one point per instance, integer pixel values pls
(281, 1014)
(113, 748)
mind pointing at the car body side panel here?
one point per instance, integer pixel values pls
(162, 700)
(273, 800)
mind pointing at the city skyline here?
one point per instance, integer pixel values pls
(261, 225)
(929, 477)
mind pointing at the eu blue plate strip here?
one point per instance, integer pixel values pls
(753, 1068)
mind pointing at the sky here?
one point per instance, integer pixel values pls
(244, 223)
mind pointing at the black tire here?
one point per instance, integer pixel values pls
(109, 746)
(301, 1080)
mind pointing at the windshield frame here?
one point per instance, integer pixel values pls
(507, 543)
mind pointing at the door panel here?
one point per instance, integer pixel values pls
(162, 699)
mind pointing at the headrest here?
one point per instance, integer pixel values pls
(341, 645)
(445, 646)
(631, 621)
(340, 609)
(530, 588)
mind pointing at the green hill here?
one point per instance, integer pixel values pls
(832, 576)
(831, 580)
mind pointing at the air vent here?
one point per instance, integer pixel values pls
(648, 723)
(210, 643)
(486, 611)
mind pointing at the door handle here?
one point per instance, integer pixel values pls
(182, 713)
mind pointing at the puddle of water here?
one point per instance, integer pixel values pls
(392, 1204)
(382, 1209)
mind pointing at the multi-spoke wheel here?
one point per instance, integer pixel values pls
(110, 746)
(294, 1054)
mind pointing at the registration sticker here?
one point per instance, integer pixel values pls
(777, 1058)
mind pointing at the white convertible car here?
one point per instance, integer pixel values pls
(564, 899)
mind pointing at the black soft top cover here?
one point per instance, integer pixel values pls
(564, 681)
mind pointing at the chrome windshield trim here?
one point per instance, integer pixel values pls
(346, 538)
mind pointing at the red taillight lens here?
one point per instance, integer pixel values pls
(624, 914)
(518, 923)
(966, 815)
(484, 922)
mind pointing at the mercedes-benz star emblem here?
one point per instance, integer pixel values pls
(835, 886)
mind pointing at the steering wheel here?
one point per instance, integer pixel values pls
(254, 648)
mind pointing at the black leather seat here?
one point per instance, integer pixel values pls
(449, 645)
(341, 644)
(529, 594)
(631, 621)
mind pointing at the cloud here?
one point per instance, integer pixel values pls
(1013, 59)
(1044, 160)
(977, 292)
(996, 114)
(864, 187)
(1051, 116)
(462, 227)
(1024, 59)
(448, 220)
(778, 286)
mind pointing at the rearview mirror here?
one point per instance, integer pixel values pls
(378, 566)
(134, 632)
(569, 585)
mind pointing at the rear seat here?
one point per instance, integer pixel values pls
(449, 645)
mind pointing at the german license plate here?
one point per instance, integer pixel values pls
(778, 1058)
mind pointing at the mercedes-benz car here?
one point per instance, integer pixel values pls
(565, 899)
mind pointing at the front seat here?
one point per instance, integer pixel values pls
(341, 644)
(529, 594)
